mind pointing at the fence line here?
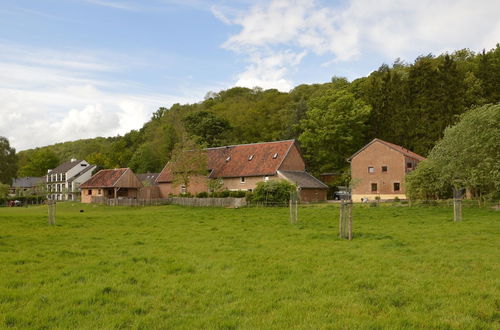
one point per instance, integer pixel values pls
(185, 201)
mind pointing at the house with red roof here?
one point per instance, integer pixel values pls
(241, 167)
(112, 184)
(379, 169)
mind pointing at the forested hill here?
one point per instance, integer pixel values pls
(407, 104)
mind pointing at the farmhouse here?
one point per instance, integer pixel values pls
(241, 167)
(63, 182)
(113, 183)
(379, 169)
(26, 186)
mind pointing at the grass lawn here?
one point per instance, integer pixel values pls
(178, 267)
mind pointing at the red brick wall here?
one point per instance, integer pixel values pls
(308, 195)
(293, 161)
(377, 155)
(196, 185)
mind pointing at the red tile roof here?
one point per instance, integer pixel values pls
(104, 178)
(404, 151)
(254, 159)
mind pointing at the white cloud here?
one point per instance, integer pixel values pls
(58, 96)
(268, 71)
(355, 29)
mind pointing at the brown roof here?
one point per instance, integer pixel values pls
(303, 179)
(104, 178)
(404, 151)
(254, 159)
(148, 177)
(64, 167)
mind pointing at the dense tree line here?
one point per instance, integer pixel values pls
(407, 104)
(465, 158)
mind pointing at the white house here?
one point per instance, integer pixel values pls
(63, 182)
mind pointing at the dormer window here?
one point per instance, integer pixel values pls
(250, 157)
(228, 158)
(275, 156)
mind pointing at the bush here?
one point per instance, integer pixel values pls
(225, 193)
(237, 193)
(273, 192)
(396, 199)
(248, 196)
(202, 194)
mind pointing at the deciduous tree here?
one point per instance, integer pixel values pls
(8, 161)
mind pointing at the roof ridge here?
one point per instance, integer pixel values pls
(249, 144)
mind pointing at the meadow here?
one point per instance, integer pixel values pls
(179, 267)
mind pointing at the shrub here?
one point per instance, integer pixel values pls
(237, 193)
(225, 193)
(273, 192)
(396, 199)
(248, 196)
(202, 194)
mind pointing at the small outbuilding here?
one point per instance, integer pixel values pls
(310, 188)
(111, 184)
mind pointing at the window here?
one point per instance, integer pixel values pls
(374, 187)
(228, 158)
(396, 186)
(64, 176)
(99, 191)
(266, 178)
(242, 179)
(371, 169)
(384, 168)
(89, 192)
(183, 189)
(275, 156)
(409, 165)
(250, 157)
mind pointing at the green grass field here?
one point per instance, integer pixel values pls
(176, 267)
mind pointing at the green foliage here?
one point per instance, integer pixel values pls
(8, 161)
(426, 182)
(4, 190)
(206, 128)
(215, 185)
(468, 154)
(237, 193)
(202, 194)
(333, 129)
(273, 192)
(39, 162)
(188, 160)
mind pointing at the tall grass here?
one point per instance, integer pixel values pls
(177, 267)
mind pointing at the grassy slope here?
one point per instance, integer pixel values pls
(219, 268)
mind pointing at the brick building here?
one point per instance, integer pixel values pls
(379, 169)
(241, 167)
(112, 184)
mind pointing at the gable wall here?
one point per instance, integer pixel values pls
(293, 161)
(377, 155)
(129, 179)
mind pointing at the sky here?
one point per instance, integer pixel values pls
(73, 69)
